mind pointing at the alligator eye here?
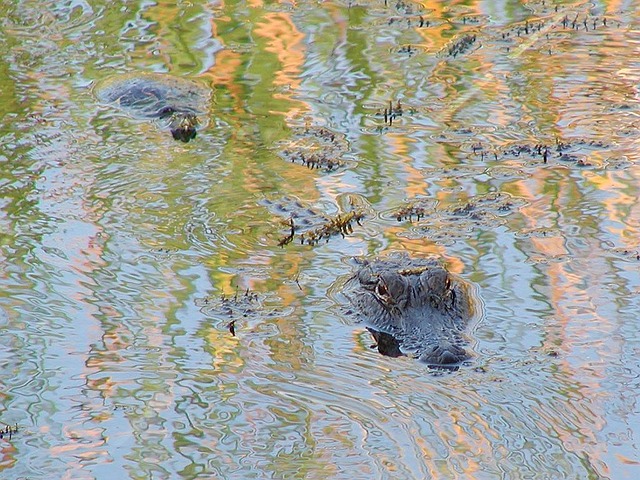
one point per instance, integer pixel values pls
(381, 290)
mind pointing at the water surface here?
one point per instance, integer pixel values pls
(124, 255)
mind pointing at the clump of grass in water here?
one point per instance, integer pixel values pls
(8, 431)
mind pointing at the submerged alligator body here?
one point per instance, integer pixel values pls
(413, 307)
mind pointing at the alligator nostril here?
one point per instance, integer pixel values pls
(448, 357)
(444, 355)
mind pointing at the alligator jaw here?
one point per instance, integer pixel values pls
(386, 344)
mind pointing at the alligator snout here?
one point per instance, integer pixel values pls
(447, 355)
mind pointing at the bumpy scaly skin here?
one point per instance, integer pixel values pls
(413, 306)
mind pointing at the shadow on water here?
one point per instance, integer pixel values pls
(173, 309)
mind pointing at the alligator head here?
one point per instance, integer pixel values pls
(414, 307)
(183, 125)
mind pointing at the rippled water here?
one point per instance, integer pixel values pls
(124, 255)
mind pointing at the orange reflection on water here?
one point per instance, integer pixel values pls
(549, 247)
(285, 40)
(621, 207)
(224, 72)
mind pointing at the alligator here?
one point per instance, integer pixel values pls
(413, 307)
(175, 100)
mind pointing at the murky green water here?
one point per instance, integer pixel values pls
(124, 255)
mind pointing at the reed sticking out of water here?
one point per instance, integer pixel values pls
(9, 430)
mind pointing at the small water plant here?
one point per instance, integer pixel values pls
(8, 431)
